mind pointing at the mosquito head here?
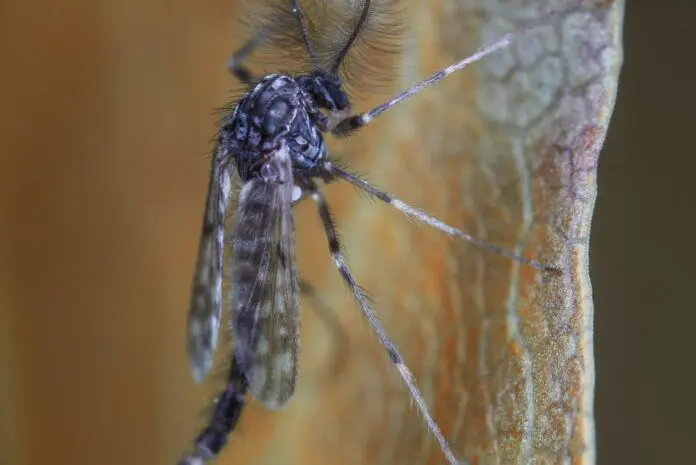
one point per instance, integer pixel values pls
(326, 89)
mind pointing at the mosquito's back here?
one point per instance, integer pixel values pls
(279, 108)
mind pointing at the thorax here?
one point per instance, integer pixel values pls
(276, 109)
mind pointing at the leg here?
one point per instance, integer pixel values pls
(234, 64)
(422, 217)
(304, 30)
(241, 72)
(328, 318)
(228, 409)
(355, 122)
(363, 302)
(323, 310)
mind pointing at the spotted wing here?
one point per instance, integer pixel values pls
(206, 296)
(264, 284)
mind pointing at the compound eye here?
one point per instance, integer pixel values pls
(340, 99)
(333, 79)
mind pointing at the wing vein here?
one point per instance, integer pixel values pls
(264, 284)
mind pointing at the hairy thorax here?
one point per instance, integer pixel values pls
(278, 109)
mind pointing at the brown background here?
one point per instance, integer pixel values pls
(106, 115)
(641, 261)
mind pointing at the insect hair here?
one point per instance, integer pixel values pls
(358, 40)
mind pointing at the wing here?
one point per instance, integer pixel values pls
(264, 284)
(206, 296)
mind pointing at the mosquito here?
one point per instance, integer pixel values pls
(273, 141)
